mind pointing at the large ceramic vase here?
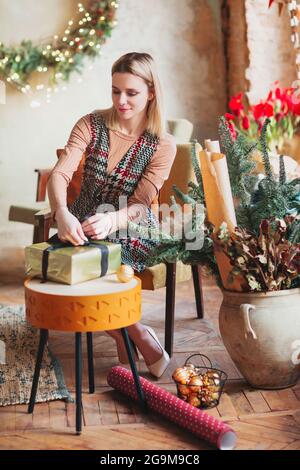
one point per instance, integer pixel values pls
(261, 332)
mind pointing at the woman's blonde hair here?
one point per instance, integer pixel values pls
(142, 65)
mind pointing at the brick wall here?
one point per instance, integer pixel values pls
(259, 48)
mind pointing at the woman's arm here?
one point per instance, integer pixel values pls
(67, 164)
(157, 172)
(69, 228)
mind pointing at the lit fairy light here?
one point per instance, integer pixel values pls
(79, 35)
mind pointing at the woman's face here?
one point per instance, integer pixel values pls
(130, 95)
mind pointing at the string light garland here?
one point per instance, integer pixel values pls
(63, 55)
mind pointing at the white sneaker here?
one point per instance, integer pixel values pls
(158, 368)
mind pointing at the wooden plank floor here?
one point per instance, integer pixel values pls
(261, 419)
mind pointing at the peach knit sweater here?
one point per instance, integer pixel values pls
(148, 187)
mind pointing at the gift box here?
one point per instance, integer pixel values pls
(68, 264)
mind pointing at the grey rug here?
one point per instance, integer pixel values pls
(18, 348)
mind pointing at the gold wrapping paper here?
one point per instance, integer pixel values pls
(219, 203)
(71, 265)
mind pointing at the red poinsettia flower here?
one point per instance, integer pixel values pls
(262, 110)
(296, 109)
(232, 129)
(279, 94)
(229, 117)
(283, 104)
(236, 105)
(245, 123)
(286, 100)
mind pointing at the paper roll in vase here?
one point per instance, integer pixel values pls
(185, 415)
(219, 203)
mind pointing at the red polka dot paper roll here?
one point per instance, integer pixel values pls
(185, 415)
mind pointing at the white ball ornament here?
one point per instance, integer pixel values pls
(125, 273)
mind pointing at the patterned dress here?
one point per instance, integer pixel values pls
(99, 188)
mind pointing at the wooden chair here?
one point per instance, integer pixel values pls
(161, 275)
(181, 129)
(26, 214)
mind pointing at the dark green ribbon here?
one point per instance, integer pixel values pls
(56, 244)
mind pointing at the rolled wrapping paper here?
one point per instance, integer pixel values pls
(219, 203)
(176, 410)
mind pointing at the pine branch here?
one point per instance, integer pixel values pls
(195, 163)
(175, 207)
(196, 192)
(185, 198)
(264, 150)
(282, 172)
(146, 233)
(239, 159)
(294, 232)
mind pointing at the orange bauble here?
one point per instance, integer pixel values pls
(181, 375)
(125, 273)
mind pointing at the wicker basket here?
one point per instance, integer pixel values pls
(200, 385)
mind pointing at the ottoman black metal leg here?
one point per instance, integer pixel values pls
(78, 373)
(39, 358)
(89, 339)
(134, 370)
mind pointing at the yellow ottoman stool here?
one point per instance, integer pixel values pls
(97, 305)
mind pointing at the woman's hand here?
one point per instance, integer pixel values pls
(98, 226)
(69, 227)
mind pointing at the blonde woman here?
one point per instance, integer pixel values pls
(128, 153)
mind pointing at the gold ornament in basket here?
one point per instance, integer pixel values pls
(199, 385)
